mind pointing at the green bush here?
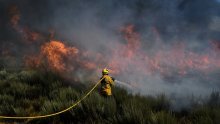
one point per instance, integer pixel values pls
(3, 74)
(163, 117)
(31, 92)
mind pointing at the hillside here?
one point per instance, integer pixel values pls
(27, 93)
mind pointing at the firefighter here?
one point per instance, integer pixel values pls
(106, 83)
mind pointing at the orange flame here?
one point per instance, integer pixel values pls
(125, 52)
(133, 40)
(30, 36)
(128, 57)
(33, 61)
(14, 14)
(27, 34)
(56, 53)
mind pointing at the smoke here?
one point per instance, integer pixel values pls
(169, 47)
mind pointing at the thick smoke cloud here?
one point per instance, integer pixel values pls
(95, 26)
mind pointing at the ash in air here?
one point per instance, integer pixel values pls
(160, 46)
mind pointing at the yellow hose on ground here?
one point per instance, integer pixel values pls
(53, 114)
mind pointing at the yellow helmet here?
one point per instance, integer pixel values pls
(105, 71)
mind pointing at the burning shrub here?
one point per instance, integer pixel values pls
(56, 54)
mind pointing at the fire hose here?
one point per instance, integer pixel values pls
(56, 113)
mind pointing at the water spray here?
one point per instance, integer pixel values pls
(124, 84)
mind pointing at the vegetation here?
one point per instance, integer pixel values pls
(27, 93)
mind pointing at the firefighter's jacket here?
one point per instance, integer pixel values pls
(106, 85)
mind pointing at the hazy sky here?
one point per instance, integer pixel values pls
(94, 25)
